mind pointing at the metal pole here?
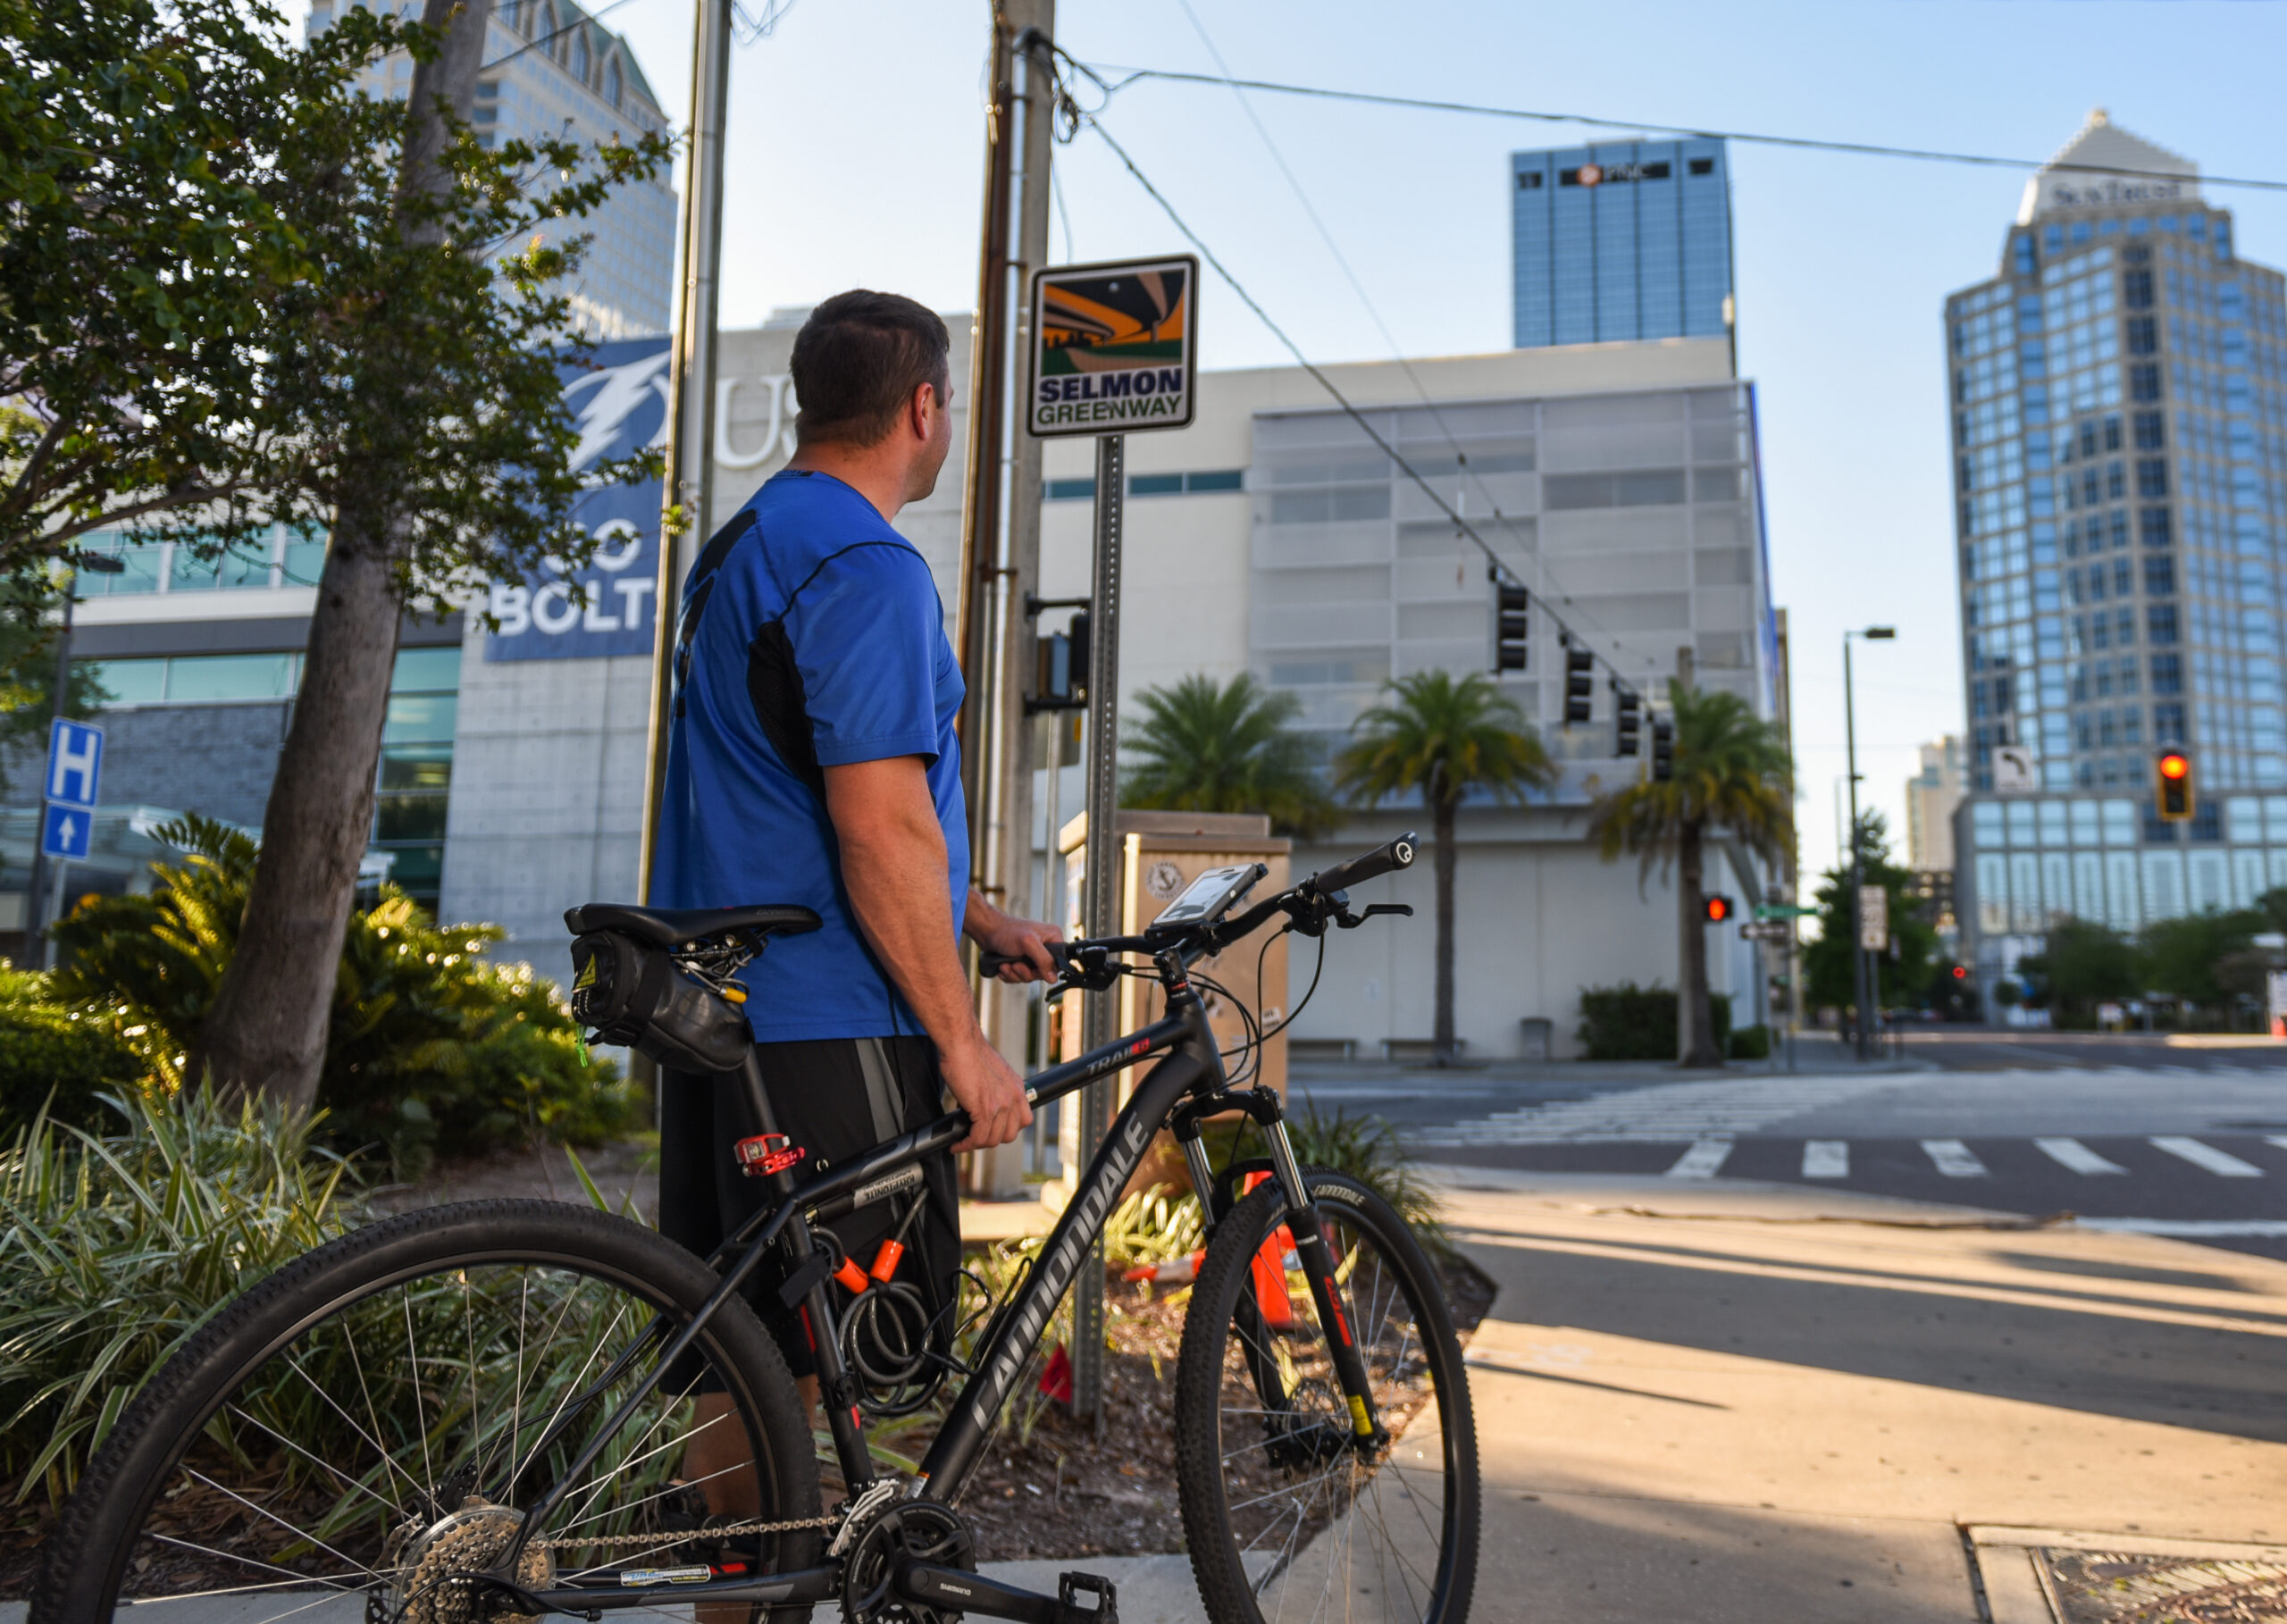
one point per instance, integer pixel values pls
(1857, 929)
(36, 898)
(1102, 876)
(691, 392)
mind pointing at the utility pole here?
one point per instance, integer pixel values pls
(1000, 530)
(691, 392)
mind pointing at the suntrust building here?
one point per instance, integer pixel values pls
(2119, 421)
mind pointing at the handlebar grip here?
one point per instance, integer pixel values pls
(1372, 864)
(991, 963)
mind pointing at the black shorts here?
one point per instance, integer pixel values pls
(834, 1098)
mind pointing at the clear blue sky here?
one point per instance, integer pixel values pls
(855, 158)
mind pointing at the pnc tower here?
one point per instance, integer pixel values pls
(1622, 241)
(2117, 415)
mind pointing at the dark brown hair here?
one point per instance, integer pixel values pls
(858, 361)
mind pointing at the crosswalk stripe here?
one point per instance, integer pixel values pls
(2279, 1140)
(1702, 1160)
(2221, 1163)
(2079, 1156)
(1826, 1159)
(1954, 1158)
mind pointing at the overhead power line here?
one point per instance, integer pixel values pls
(1077, 116)
(1864, 149)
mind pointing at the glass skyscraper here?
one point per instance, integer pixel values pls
(2118, 418)
(1625, 240)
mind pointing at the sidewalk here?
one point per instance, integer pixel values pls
(1749, 1402)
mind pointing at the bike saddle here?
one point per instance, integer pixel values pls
(675, 927)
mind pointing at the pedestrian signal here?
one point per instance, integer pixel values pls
(1664, 750)
(1717, 908)
(1579, 685)
(1511, 624)
(1627, 719)
(2171, 786)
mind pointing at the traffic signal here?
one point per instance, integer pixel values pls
(1961, 973)
(1717, 908)
(2171, 786)
(1627, 717)
(1664, 750)
(1579, 685)
(1511, 624)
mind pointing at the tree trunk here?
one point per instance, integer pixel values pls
(1441, 817)
(1694, 1013)
(266, 1034)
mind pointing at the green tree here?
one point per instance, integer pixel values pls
(1443, 738)
(2183, 956)
(1731, 775)
(1901, 975)
(1204, 746)
(2082, 964)
(417, 373)
(28, 669)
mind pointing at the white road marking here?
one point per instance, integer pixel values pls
(1702, 1160)
(1954, 1158)
(2079, 1156)
(2221, 1163)
(2276, 1139)
(1826, 1159)
(2192, 1228)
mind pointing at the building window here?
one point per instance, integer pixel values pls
(2160, 625)
(2151, 431)
(1702, 166)
(2167, 673)
(1069, 491)
(2143, 337)
(612, 85)
(2151, 477)
(2167, 723)
(2159, 577)
(2136, 289)
(2144, 382)
(2153, 524)
(416, 768)
(1528, 180)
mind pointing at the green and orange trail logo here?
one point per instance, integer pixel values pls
(1115, 347)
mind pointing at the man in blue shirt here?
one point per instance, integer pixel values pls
(812, 757)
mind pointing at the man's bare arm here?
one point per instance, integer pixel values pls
(894, 865)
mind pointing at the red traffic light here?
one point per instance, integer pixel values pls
(1718, 909)
(2171, 786)
(1960, 974)
(2174, 765)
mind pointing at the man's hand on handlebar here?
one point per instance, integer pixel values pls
(989, 1090)
(1019, 946)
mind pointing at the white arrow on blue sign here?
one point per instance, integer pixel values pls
(66, 832)
(75, 763)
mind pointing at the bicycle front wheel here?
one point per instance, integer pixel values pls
(364, 1431)
(1286, 1519)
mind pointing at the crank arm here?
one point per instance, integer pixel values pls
(958, 1589)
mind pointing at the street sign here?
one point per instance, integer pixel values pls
(1784, 910)
(65, 831)
(2013, 770)
(1873, 918)
(1115, 347)
(1768, 930)
(75, 762)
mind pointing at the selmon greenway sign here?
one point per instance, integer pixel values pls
(1115, 347)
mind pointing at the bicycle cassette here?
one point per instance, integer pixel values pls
(911, 1531)
(434, 1581)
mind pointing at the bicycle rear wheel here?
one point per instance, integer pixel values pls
(1286, 1519)
(348, 1440)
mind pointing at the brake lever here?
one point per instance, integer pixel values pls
(1349, 921)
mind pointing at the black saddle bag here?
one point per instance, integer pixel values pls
(636, 994)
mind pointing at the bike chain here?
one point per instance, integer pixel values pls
(676, 1537)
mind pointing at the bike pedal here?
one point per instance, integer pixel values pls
(1071, 1586)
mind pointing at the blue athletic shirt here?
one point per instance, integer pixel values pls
(807, 605)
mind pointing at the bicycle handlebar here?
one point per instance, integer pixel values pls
(1372, 864)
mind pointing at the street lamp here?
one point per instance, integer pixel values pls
(1861, 969)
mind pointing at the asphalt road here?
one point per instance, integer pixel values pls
(2125, 1132)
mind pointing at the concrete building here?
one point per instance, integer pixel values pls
(552, 72)
(1272, 536)
(1621, 241)
(2119, 418)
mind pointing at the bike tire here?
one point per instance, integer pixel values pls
(318, 1303)
(1282, 1520)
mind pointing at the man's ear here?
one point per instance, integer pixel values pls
(926, 403)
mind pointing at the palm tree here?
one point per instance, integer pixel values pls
(1204, 746)
(1444, 737)
(1732, 773)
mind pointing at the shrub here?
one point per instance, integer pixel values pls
(1751, 1042)
(431, 1046)
(121, 1245)
(1633, 1023)
(53, 1056)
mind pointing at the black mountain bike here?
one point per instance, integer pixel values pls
(481, 1413)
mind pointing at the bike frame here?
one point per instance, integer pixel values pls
(1187, 1085)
